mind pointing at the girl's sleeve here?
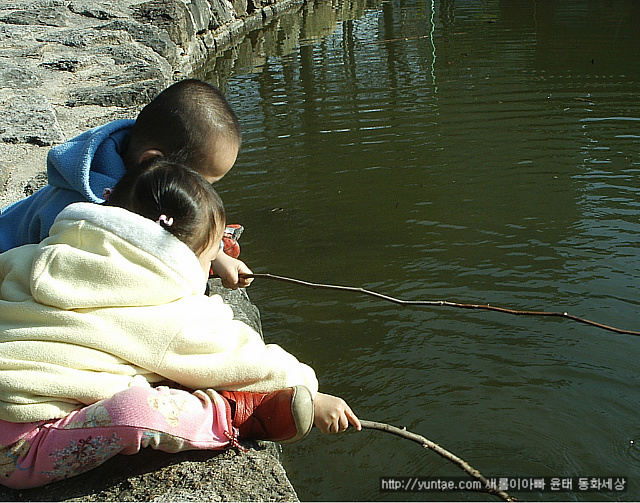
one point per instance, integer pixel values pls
(226, 354)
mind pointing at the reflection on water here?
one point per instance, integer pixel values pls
(473, 151)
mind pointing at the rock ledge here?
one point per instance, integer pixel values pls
(68, 65)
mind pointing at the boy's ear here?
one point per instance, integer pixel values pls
(148, 154)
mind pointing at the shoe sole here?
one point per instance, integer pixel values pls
(302, 412)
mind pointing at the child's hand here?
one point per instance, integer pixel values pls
(229, 269)
(333, 415)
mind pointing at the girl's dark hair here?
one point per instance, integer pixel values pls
(163, 187)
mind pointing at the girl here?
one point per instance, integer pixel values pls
(108, 345)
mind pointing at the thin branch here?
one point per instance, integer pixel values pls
(440, 302)
(429, 445)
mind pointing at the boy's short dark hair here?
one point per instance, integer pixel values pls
(183, 121)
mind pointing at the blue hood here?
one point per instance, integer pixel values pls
(78, 171)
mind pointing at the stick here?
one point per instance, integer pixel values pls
(426, 443)
(429, 445)
(440, 302)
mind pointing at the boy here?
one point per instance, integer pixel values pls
(190, 122)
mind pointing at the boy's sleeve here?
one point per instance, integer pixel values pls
(28, 221)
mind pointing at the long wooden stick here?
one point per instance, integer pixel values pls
(429, 445)
(440, 302)
(426, 443)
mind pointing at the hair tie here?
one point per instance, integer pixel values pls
(168, 222)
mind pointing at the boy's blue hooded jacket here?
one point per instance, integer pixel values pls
(78, 171)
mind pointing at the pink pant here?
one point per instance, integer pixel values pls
(167, 419)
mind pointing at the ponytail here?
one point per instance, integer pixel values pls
(177, 198)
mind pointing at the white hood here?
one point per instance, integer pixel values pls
(104, 256)
(111, 299)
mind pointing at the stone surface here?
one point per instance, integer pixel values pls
(169, 15)
(27, 118)
(222, 13)
(256, 475)
(66, 66)
(153, 37)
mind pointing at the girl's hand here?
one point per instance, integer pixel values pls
(229, 270)
(333, 415)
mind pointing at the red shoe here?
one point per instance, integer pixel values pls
(284, 416)
(230, 240)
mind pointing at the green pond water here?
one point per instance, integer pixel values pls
(467, 151)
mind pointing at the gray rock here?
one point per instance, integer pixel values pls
(240, 6)
(27, 118)
(170, 15)
(131, 53)
(31, 4)
(17, 77)
(139, 93)
(36, 183)
(63, 64)
(47, 16)
(84, 39)
(254, 475)
(200, 11)
(5, 173)
(138, 72)
(222, 13)
(151, 36)
(98, 10)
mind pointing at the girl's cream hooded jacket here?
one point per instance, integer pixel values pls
(110, 299)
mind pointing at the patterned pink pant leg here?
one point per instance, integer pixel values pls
(163, 418)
